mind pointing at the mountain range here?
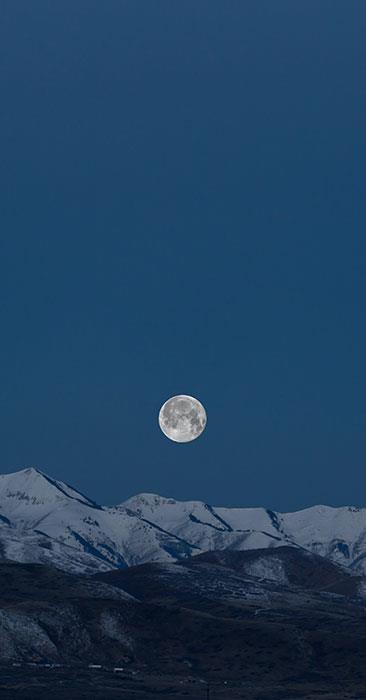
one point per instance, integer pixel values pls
(158, 596)
(44, 520)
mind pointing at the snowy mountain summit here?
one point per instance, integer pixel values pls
(45, 520)
(30, 487)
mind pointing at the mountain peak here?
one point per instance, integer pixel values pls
(149, 500)
(26, 472)
(31, 487)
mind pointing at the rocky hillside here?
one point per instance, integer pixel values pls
(262, 619)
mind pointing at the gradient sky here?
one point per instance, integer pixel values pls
(182, 210)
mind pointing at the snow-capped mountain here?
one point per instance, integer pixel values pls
(45, 520)
(336, 533)
(42, 519)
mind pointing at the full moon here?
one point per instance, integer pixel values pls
(182, 418)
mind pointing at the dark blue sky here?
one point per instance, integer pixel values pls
(183, 210)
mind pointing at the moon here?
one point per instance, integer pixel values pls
(182, 418)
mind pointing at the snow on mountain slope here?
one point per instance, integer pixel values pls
(30, 493)
(30, 547)
(336, 533)
(204, 526)
(42, 518)
(31, 502)
(182, 516)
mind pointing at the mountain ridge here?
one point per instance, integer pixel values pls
(45, 520)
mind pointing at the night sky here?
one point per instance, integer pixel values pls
(182, 210)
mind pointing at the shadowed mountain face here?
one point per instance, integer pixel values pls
(263, 619)
(282, 574)
(47, 615)
(272, 614)
(44, 520)
(287, 565)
